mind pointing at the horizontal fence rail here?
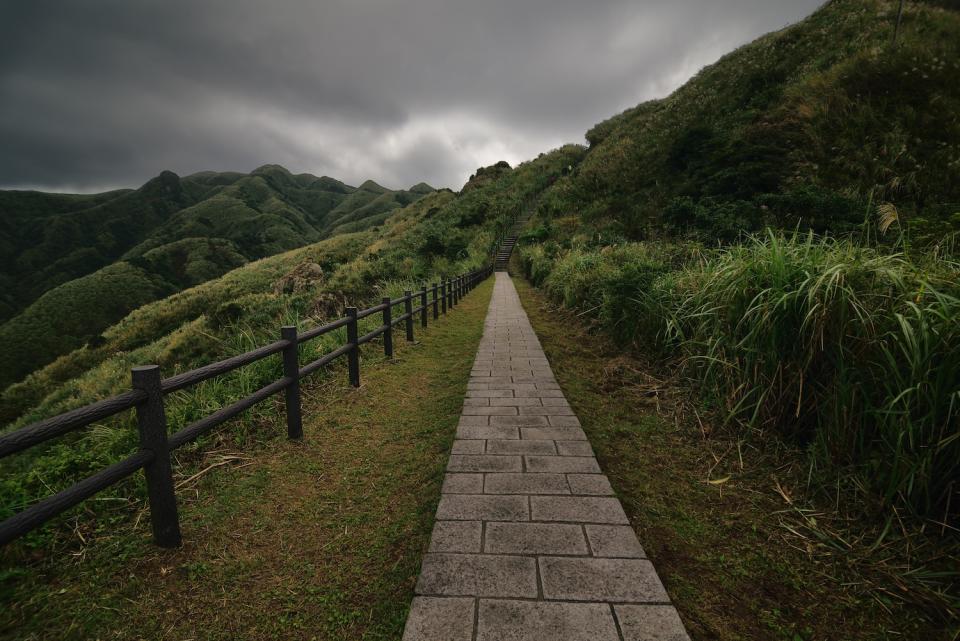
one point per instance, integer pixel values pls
(147, 398)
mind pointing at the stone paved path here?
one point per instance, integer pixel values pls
(529, 543)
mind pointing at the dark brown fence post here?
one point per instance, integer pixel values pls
(436, 307)
(423, 305)
(353, 356)
(388, 332)
(152, 425)
(408, 312)
(450, 293)
(291, 370)
(443, 294)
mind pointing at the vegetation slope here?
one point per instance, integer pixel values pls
(442, 233)
(780, 235)
(74, 265)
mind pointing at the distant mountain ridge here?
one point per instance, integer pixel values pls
(106, 254)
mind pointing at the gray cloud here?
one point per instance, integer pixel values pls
(107, 93)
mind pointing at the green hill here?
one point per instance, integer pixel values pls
(782, 232)
(441, 233)
(812, 126)
(102, 256)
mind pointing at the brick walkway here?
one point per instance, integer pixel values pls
(529, 543)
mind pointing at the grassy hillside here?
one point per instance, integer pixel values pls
(131, 247)
(779, 237)
(442, 233)
(814, 126)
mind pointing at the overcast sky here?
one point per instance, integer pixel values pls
(98, 94)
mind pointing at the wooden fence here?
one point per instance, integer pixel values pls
(147, 398)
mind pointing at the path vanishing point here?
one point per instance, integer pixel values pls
(529, 542)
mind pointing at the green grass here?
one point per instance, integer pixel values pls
(848, 352)
(439, 234)
(314, 540)
(813, 127)
(740, 561)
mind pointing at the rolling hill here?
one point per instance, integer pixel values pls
(101, 256)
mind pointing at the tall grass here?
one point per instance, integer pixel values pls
(849, 351)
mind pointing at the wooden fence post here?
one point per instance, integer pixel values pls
(353, 356)
(388, 332)
(436, 308)
(443, 294)
(450, 293)
(152, 425)
(291, 370)
(423, 306)
(408, 312)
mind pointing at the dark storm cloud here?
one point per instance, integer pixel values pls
(106, 93)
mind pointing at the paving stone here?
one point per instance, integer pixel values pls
(525, 483)
(491, 380)
(516, 388)
(576, 509)
(586, 579)
(650, 623)
(515, 402)
(553, 401)
(551, 410)
(462, 484)
(483, 507)
(551, 433)
(564, 421)
(461, 446)
(485, 432)
(484, 463)
(456, 536)
(473, 420)
(490, 393)
(489, 411)
(545, 448)
(525, 421)
(476, 402)
(503, 620)
(614, 540)
(559, 464)
(574, 448)
(595, 484)
(440, 619)
(478, 575)
(535, 391)
(534, 538)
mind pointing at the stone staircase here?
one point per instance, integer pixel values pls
(510, 240)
